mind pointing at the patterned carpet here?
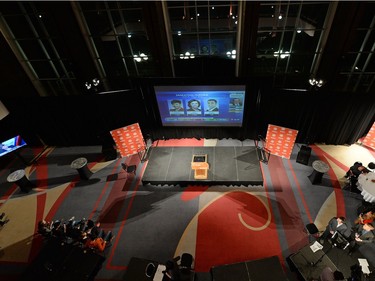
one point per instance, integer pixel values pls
(216, 224)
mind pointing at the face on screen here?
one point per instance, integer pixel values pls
(200, 105)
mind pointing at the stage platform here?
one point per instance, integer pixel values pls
(309, 265)
(228, 165)
(257, 270)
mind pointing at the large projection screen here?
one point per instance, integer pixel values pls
(201, 106)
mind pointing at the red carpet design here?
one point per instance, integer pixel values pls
(222, 238)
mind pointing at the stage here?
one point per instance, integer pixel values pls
(310, 265)
(268, 269)
(228, 165)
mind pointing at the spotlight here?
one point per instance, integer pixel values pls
(316, 82)
(95, 82)
(88, 85)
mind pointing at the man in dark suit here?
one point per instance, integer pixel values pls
(336, 224)
(364, 234)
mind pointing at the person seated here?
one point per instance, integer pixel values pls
(44, 228)
(336, 224)
(361, 235)
(96, 244)
(353, 173)
(171, 271)
(329, 275)
(365, 218)
(59, 229)
(3, 219)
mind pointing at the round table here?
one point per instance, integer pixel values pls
(366, 183)
(19, 178)
(80, 164)
(320, 167)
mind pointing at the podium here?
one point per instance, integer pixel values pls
(200, 166)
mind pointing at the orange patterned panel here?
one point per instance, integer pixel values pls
(280, 140)
(129, 140)
(369, 140)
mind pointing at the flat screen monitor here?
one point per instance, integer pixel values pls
(201, 106)
(11, 145)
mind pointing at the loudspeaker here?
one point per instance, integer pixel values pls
(303, 155)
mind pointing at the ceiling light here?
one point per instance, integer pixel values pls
(88, 85)
(129, 35)
(95, 82)
(299, 30)
(280, 17)
(213, 8)
(315, 82)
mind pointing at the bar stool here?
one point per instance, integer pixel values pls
(312, 231)
(19, 178)
(80, 164)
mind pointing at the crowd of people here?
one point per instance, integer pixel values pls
(354, 172)
(346, 234)
(85, 233)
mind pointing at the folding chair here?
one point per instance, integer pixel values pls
(129, 169)
(312, 231)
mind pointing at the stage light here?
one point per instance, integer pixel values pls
(316, 82)
(95, 82)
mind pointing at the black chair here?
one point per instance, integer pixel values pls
(129, 169)
(312, 230)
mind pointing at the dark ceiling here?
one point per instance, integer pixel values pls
(53, 48)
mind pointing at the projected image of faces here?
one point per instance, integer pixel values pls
(201, 106)
(235, 104)
(212, 107)
(176, 107)
(194, 107)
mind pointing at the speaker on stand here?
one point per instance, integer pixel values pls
(303, 155)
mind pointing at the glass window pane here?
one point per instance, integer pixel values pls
(107, 47)
(19, 26)
(313, 14)
(97, 22)
(43, 69)
(32, 49)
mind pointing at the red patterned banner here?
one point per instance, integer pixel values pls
(280, 140)
(369, 139)
(129, 140)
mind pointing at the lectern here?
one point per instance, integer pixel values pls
(200, 166)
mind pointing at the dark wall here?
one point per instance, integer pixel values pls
(71, 120)
(87, 119)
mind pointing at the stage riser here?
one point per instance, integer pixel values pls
(203, 183)
(227, 166)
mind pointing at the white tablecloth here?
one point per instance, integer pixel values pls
(367, 186)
